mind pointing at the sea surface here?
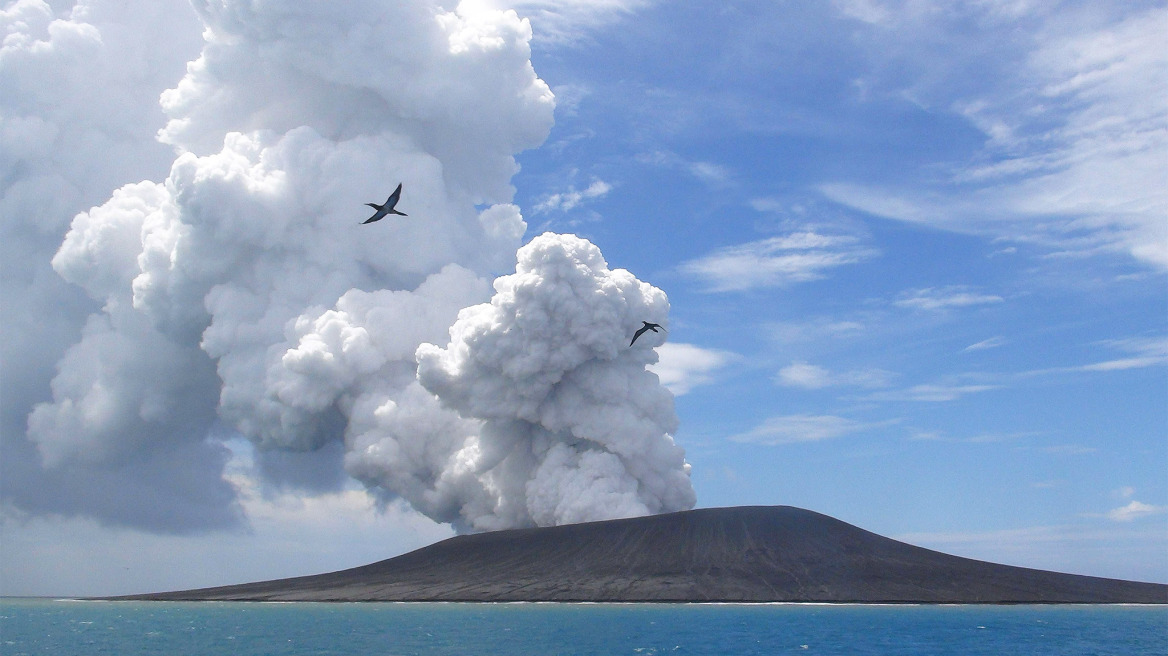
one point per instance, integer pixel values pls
(58, 627)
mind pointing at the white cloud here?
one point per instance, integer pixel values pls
(235, 292)
(79, 87)
(932, 392)
(792, 429)
(1125, 492)
(569, 97)
(777, 261)
(1074, 159)
(567, 21)
(1068, 450)
(816, 328)
(943, 298)
(1114, 550)
(1145, 352)
(980, 438)
(985, 344)
(572, 198)
(1122, 364)
(244, 289)
(807, 376)
(289, 534)
(869, 11)
(810, 376)
(712, 174)
(1135, 510)
(563, 422)
(769, 205)
(685, 366)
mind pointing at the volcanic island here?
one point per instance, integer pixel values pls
(738, 554)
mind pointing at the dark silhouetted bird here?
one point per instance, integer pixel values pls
(387, 208)
(647, 326)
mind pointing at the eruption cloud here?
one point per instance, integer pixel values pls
(241, 291)
(571, 422)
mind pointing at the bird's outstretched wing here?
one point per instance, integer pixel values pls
(376, 217)
(638, 334)
(387, 208)
(646, 326)
(393, 198)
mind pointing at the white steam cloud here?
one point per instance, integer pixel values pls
(573, 427)
(242, 289)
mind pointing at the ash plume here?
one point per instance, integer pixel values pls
(572, 427)
(238, 293)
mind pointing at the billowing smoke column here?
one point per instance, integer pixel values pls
(243, 290)
(572, 427)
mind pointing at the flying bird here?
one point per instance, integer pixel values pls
(387, 208)
(647, 326)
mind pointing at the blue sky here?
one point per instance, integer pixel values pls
(916, 258)
(950, 357)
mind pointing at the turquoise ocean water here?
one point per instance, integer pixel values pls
(35, 626)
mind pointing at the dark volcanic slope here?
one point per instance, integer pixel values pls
(725, 554)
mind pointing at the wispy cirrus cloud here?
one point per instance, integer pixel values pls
(711, 173)
(939, 393)
(1135, 510)
(777, 261)
(986, 344)
(1132, 511)
(1142, 352)
(944, 298)
(1125, 492)
(812, 329)
(979, 438)
(1073, 160)
(932, 392)
(1067, 450)
(1139, 352)
(810, 376)
(572, 198)
(792, 429)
